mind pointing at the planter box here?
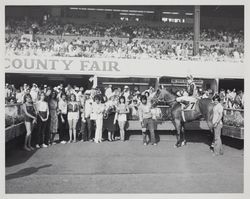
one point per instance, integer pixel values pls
(234, 132)
(14, 131)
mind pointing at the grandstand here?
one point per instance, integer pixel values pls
(128, 35)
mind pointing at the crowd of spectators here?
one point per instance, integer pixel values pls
(231, 98)
(16, 95)
(143, 42)
(116, 29)
(108, 48)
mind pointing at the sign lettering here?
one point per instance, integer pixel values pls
(111, 67)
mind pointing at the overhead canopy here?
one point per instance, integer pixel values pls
(111, 67)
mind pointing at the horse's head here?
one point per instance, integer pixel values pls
(163, 97)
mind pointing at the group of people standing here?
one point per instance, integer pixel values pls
(92, 113)
(84, 118)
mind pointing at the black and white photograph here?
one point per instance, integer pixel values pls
(124, 99)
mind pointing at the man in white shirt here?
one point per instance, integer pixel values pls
(217, 124)
(86, 109)
(126, 93)
(19, 96)
(34, 93)
(108, 91)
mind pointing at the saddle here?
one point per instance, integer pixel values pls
(188, 109)
(188, 106)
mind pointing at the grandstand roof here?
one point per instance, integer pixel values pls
(232, 11)
(215, 11)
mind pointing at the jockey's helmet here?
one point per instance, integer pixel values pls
(190, 77)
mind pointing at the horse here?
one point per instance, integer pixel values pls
(203, 109)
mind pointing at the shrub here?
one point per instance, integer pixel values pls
(236, 119)
(8, 121)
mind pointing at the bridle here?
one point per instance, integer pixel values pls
(167, 102)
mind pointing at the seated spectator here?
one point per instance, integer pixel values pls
(133, 49)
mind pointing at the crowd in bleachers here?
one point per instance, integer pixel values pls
(140, 30)
(108, 48)
(137, 47)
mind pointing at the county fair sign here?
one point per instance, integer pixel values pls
(122, 67)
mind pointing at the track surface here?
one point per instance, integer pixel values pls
(126, 167)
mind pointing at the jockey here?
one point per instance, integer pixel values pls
(192, 92)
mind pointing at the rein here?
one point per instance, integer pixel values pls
(171, 101)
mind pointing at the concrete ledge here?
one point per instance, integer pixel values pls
(14, 131)
(233, 132)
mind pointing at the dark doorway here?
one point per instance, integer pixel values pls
(225, 84)
(18, 79)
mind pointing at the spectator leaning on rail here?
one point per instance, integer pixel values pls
(192, 92)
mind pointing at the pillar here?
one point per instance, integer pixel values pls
(196, 30)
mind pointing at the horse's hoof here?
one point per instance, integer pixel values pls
(183, 143)
(177, 145)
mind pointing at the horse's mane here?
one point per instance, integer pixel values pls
(168, 93)
(164, 95)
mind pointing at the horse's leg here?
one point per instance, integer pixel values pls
(183, 135)
(177, 123)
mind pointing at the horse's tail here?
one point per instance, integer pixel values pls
(206, 108)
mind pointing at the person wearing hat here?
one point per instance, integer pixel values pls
(192, 92)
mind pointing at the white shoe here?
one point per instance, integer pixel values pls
(63, 142)
(37, 146)
(44, 146)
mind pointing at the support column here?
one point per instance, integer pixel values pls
(157, 82)
(196, 30)
(216, 85)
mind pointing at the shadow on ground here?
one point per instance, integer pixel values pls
(233, 142)
(15, 148)
(26, 172)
